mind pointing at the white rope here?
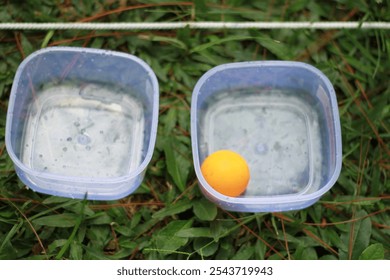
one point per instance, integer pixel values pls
(194, 25)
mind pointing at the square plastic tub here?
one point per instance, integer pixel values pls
(82, 122)
(282, 117)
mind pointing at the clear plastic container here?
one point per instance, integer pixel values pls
(82, 122)
(282, 117)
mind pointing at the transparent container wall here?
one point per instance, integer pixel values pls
(82, 121)
(61, 67)
(274, 78)
(78, 189)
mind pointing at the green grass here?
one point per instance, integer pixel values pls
(168, 217)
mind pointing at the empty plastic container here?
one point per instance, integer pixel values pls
(282, 117)
(82, 122)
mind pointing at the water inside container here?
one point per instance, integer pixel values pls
(83, 130)
(276, 131)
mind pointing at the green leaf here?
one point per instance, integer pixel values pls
(244, 253)
(289, 238)
(226, 250)
(101, 218)
(308, 253)
(93, 253)
(172, 41)
(60, 220)
(332, 238)
(169, 120)
(225, 231)
(172, 209)
(183, 118)
(98, 235)
(373, 252)
(358, 236)
(205, 210)
(10, 234)
(7, 217)
(9, 251)
(76, 251)
(47, 39)
(362, 234)
(122, 253)
(5, 16)
(276, 47)
(200, 6)
(329, 258)
(167, 241)
(195, 232)
(184, 35)
(135, 220)
(55, 244)
(145, 226)
(28, 48)
(74, 231)
(205, 247)
(177, 165)
(218, 229)
(129, 244)
(56, 199)
(354, 200)
(80, 207)
(217, 41)
(125, 230)
(260, 250)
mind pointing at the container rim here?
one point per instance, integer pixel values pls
(100, 180)
(275, 199)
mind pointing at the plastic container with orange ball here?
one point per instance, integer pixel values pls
(281, 118)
